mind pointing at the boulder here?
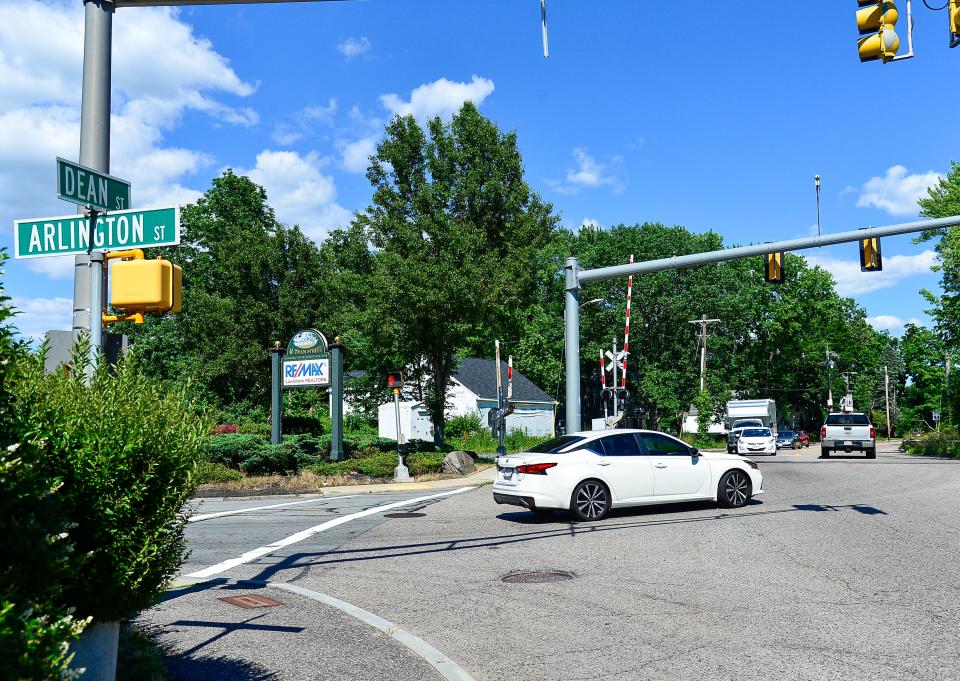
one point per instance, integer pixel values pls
(459, 463)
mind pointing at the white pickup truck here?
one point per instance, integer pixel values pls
(847, 432)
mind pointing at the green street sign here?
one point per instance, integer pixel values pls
(70, 234)
(87, 187)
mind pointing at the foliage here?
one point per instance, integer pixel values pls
(458, 426)
(482, 442)
(233, 450)
(208, 472)
(270, 459)
(255, 428)
(704, 405)
(943, 442)
(225, 429)
(455, 233)
(924, 359)
(943, 200)
(126, 450)
(139, 657)
(302, 423)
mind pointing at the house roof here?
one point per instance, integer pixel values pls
(480, 377)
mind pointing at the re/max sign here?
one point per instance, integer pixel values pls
(306, 372)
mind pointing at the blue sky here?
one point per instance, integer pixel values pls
(705, 115)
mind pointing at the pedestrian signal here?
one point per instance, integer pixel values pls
(773, 268)
(954, 9)
(139, 286)
(870, 257)
(395, 380)
(876, 20)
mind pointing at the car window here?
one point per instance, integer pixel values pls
(756, 432)
(848, 420)
(595, 446)
(623, 444)
(661, 445)
(747, 423)
(786, 433)
(556, 444)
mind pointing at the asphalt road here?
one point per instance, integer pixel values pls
(845, 568)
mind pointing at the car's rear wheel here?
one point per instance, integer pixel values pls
(734, 490)
(872, 453)
(590, 500)
(824, 452)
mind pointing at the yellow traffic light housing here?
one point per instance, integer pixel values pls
(876, 20)
(871, 259)
(773, 268)
(139, 286)
(954, 8)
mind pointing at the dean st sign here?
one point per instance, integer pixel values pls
(87, 187)
(70, 234)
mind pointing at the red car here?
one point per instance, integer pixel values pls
(804, 438)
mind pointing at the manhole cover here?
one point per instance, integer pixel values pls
(536, 576)
(250, 601)
(404, 515)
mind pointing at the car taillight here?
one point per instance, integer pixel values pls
(873, 433)
(535, 468)
(823, 433)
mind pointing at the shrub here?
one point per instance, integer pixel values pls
(255, 429)
(943, 442)
(224, 429)
(358, 425)
(233, 450)
(459, 426)
(272, 460)
(425, 462)
(216, 472)
(296, 424)
(127, 451)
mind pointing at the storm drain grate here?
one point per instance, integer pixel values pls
(536, 576)
(250, 601)
(404, 515)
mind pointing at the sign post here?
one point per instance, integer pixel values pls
(401, 473)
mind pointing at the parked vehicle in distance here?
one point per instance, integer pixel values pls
(788, 438)
(847, 432)
(757, 441)
(744, 413)
(804, 438)
(588, 473)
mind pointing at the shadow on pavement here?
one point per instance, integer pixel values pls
(303, 561)
(217, 669)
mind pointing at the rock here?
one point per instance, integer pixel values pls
(459, 463)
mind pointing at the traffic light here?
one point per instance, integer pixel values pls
(773, 268)
(395, 380)
(876, 20)
(954, 8)
(139, 286)
(870, 257)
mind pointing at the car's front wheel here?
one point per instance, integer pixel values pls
(734, 490)
(590, 500)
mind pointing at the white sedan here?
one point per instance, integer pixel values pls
(589, 473)
(757, 441)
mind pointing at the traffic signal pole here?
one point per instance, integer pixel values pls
(94, 153)
(575, 278)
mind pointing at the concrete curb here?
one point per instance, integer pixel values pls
(446, 667)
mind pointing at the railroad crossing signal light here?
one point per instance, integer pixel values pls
(139, 286)
(773, 268)
(870, 257)
(395, 380)
(954, 8)
(876, 20)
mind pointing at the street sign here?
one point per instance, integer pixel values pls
(936, 416)
(88, 187)
(307, 361)
(70, 234)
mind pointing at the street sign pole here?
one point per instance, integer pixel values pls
(95, 154)
(276, 393)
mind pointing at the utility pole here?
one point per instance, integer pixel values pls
(703, 322)
(886, 389)
(948, 409)
(831, 356)
(816, 184)
(94, 153)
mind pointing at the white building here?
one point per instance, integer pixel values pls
(717, 427)
(473, 390)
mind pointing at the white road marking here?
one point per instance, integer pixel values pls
(309, 532)
(207, 516)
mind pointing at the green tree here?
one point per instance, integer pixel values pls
(457, 235)
(924, 360)
(943, 200)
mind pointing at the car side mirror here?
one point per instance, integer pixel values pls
(694, 451)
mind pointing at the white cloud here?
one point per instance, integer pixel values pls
(440, 98)
(57, 267)
(35, 316)
(588, 173)
(355, 156)
(354, 47)
(897, 192)
(299, 193)
(302, 123)
(590, 223)
(851, 281)
(41, 56)
(892, 323)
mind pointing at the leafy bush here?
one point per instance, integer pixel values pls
(422, 463)
(272, 460)
(255, 429)
(296, 424)
(216, 472)
(127, 451)
(459, 426)
(359, 426)
(233, 450)
(943, 442)
(224, 429)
